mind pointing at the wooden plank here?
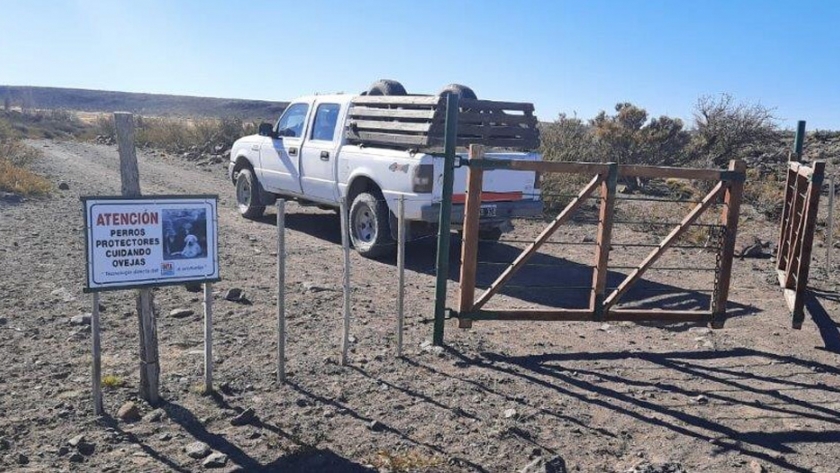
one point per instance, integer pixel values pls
(530, 314)
(807, 244)
(399, 100)
(392, 113)
(130, 183)
(729, 219)
(387, 139)
(389, 126)
(665, 172)
(473, 104)
(544, 166)
(542, 238)
(782, 247)
(666, 243)
(602, 241)
(500, 131)
(656, 314)
(469, 242)
(497, 117)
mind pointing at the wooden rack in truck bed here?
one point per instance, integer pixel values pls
(418, 122)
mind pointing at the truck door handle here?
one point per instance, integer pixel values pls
(292, 151)
(325, 155)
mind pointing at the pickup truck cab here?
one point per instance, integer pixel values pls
(305, 156)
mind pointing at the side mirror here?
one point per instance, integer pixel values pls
(266, 129)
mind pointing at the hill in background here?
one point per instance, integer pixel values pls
(55, 98)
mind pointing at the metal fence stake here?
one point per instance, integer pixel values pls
(450, 139)
(345, 243)
(401, 273)
(96, 372)
(281, 291)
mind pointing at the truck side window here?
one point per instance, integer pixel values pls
(291, 123)
(326, 117)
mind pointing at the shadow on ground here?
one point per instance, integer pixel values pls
(731, 381)
(546, 280)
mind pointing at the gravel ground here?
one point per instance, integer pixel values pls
(502, 396)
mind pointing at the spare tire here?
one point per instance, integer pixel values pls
(386, 87)
(462, 90)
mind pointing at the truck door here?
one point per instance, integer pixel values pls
(280, 156)
(318, 158)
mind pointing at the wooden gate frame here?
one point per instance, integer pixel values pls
(796, 233)
(729, 185)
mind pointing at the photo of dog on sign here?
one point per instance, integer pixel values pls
(184, 233)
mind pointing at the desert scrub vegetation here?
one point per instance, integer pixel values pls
(181, 134)
(723, 129)
(15, 156)
(45, 124)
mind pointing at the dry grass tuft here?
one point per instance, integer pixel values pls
(112, 381)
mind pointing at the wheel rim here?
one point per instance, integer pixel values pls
(243, 192)
(364, 224)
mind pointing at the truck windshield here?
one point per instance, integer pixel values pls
(291, 123)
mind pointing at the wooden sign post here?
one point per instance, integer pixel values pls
(130, 178)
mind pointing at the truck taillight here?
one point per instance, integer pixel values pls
(537, 180)
(424, 178)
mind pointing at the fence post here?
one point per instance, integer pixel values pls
(798, 140)
(281, 290)
(469, 241)
(830, 227)
(400, 273)
(208, 338)
(729, 219)
(96, 371)
(450, 140)
(807, 241)
(345, 243)
(130, 183)
(602, 242)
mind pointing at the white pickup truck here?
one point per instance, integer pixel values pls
(305, 156)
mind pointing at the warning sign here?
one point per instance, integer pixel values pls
(150, 241)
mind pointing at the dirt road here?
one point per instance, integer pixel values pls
(579, 396)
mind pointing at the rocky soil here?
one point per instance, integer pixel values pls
(502, 396)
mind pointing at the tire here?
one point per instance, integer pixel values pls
(462, 90)
(386, 87)
(248, 195)
(369, 226)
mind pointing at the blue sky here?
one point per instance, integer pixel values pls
(564, 56)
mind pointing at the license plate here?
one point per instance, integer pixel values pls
(487, 211)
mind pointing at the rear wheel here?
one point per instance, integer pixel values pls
(369, 227)
(248, 195)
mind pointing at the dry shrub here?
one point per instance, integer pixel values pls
(177, 135)
(20, 181)
(766, 193)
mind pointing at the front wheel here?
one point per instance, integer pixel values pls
(248, 195)
(369, 227)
